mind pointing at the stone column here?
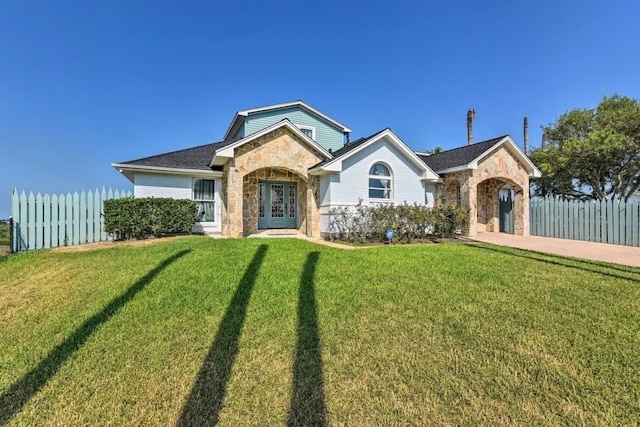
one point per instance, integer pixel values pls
(483, 207)
(232, 221)
(493, 205)
(521, 212)
(469, 191)
(250, 204)
(312, 211)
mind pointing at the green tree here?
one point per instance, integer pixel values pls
(592, 153)
(435, 150)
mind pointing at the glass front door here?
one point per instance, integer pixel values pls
(277, 205)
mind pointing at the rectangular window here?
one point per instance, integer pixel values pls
(310, 131)
(379, 188)
(203, 194)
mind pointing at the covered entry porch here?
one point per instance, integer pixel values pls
(276, 199)
(500, 206)
(487, 212)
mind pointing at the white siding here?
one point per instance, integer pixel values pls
(430, 194)
(172, 186)
(352, 183)
(325, 188)
(176, 187)
(354, 178)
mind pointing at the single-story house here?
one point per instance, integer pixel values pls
(286, 165)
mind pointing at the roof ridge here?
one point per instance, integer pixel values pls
(260, 107)
(370, 136)
(465, 146)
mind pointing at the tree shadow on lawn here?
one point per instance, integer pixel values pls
(207, 396)
(307, 399)
(590, 267)
(13, 400)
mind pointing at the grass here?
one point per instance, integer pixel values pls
(266, 332)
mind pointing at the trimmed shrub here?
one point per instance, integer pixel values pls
(4, 234)
(138, 218)
(363, 224)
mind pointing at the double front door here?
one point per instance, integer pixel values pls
(278, 207)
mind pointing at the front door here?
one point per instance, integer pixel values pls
(506, 212)
(278, 207)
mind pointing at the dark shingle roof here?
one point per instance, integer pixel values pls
(348, 147)
(458, 156)
(196, 158)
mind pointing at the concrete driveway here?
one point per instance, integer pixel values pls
(618, 254)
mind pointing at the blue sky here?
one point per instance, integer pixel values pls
(87, 83)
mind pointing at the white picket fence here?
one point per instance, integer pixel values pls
(48, 221)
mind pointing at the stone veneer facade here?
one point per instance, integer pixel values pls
(279, 155)
(479, 191)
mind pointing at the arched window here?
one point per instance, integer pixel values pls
(380, 182)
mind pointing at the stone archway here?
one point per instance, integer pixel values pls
(251, 197)
(488, 215)
(277, 155)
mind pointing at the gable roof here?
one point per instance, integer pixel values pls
(240, 115)
(460, 156)
(202, 159)
(194, 161)
(196, 158)
(225, 152)
(349, 147)
(335, 164)
(467, 157)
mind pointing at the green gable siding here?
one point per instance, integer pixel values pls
(240, 132)
(327, 135)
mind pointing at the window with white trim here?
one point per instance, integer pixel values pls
(380, 181)
(204, 195)
(310, 131)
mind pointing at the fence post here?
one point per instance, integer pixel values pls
(15, 215)
(11, 235)
(103, 197)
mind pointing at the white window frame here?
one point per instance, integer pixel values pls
(391, 189)
(311, 128)
(193, 197)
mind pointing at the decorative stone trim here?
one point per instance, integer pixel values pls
(279, 155)
(479, 189)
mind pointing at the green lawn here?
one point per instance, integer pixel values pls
(270, 332)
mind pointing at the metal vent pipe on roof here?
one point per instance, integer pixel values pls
(526, 135)
(471, 116)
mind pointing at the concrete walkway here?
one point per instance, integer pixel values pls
(618, 254)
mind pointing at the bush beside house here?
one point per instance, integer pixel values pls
(4, 234)
(142, 217)
(409, 222)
